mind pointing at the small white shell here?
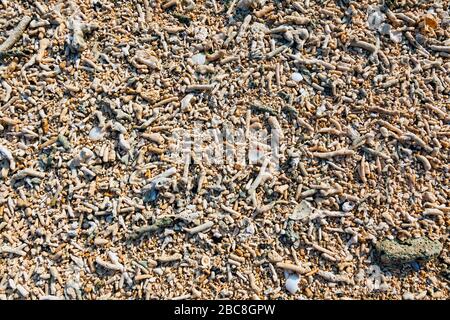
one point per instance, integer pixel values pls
(292, 283)
(396, 36)
(189, 215)
(186, 101)
(199, 58)
(201, 33)
(257, 27)
(124, 144)
(4, 152)
(250, 230)
(348, 206)
(295, 162)
(375, 19)
(408, 296)
(321, 110)
(255, 155)
(96, 134)
(297, 77)
(301, 211)
(205, 261)
(86, 154)
(303, 92)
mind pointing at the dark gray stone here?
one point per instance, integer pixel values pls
(393, 252)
